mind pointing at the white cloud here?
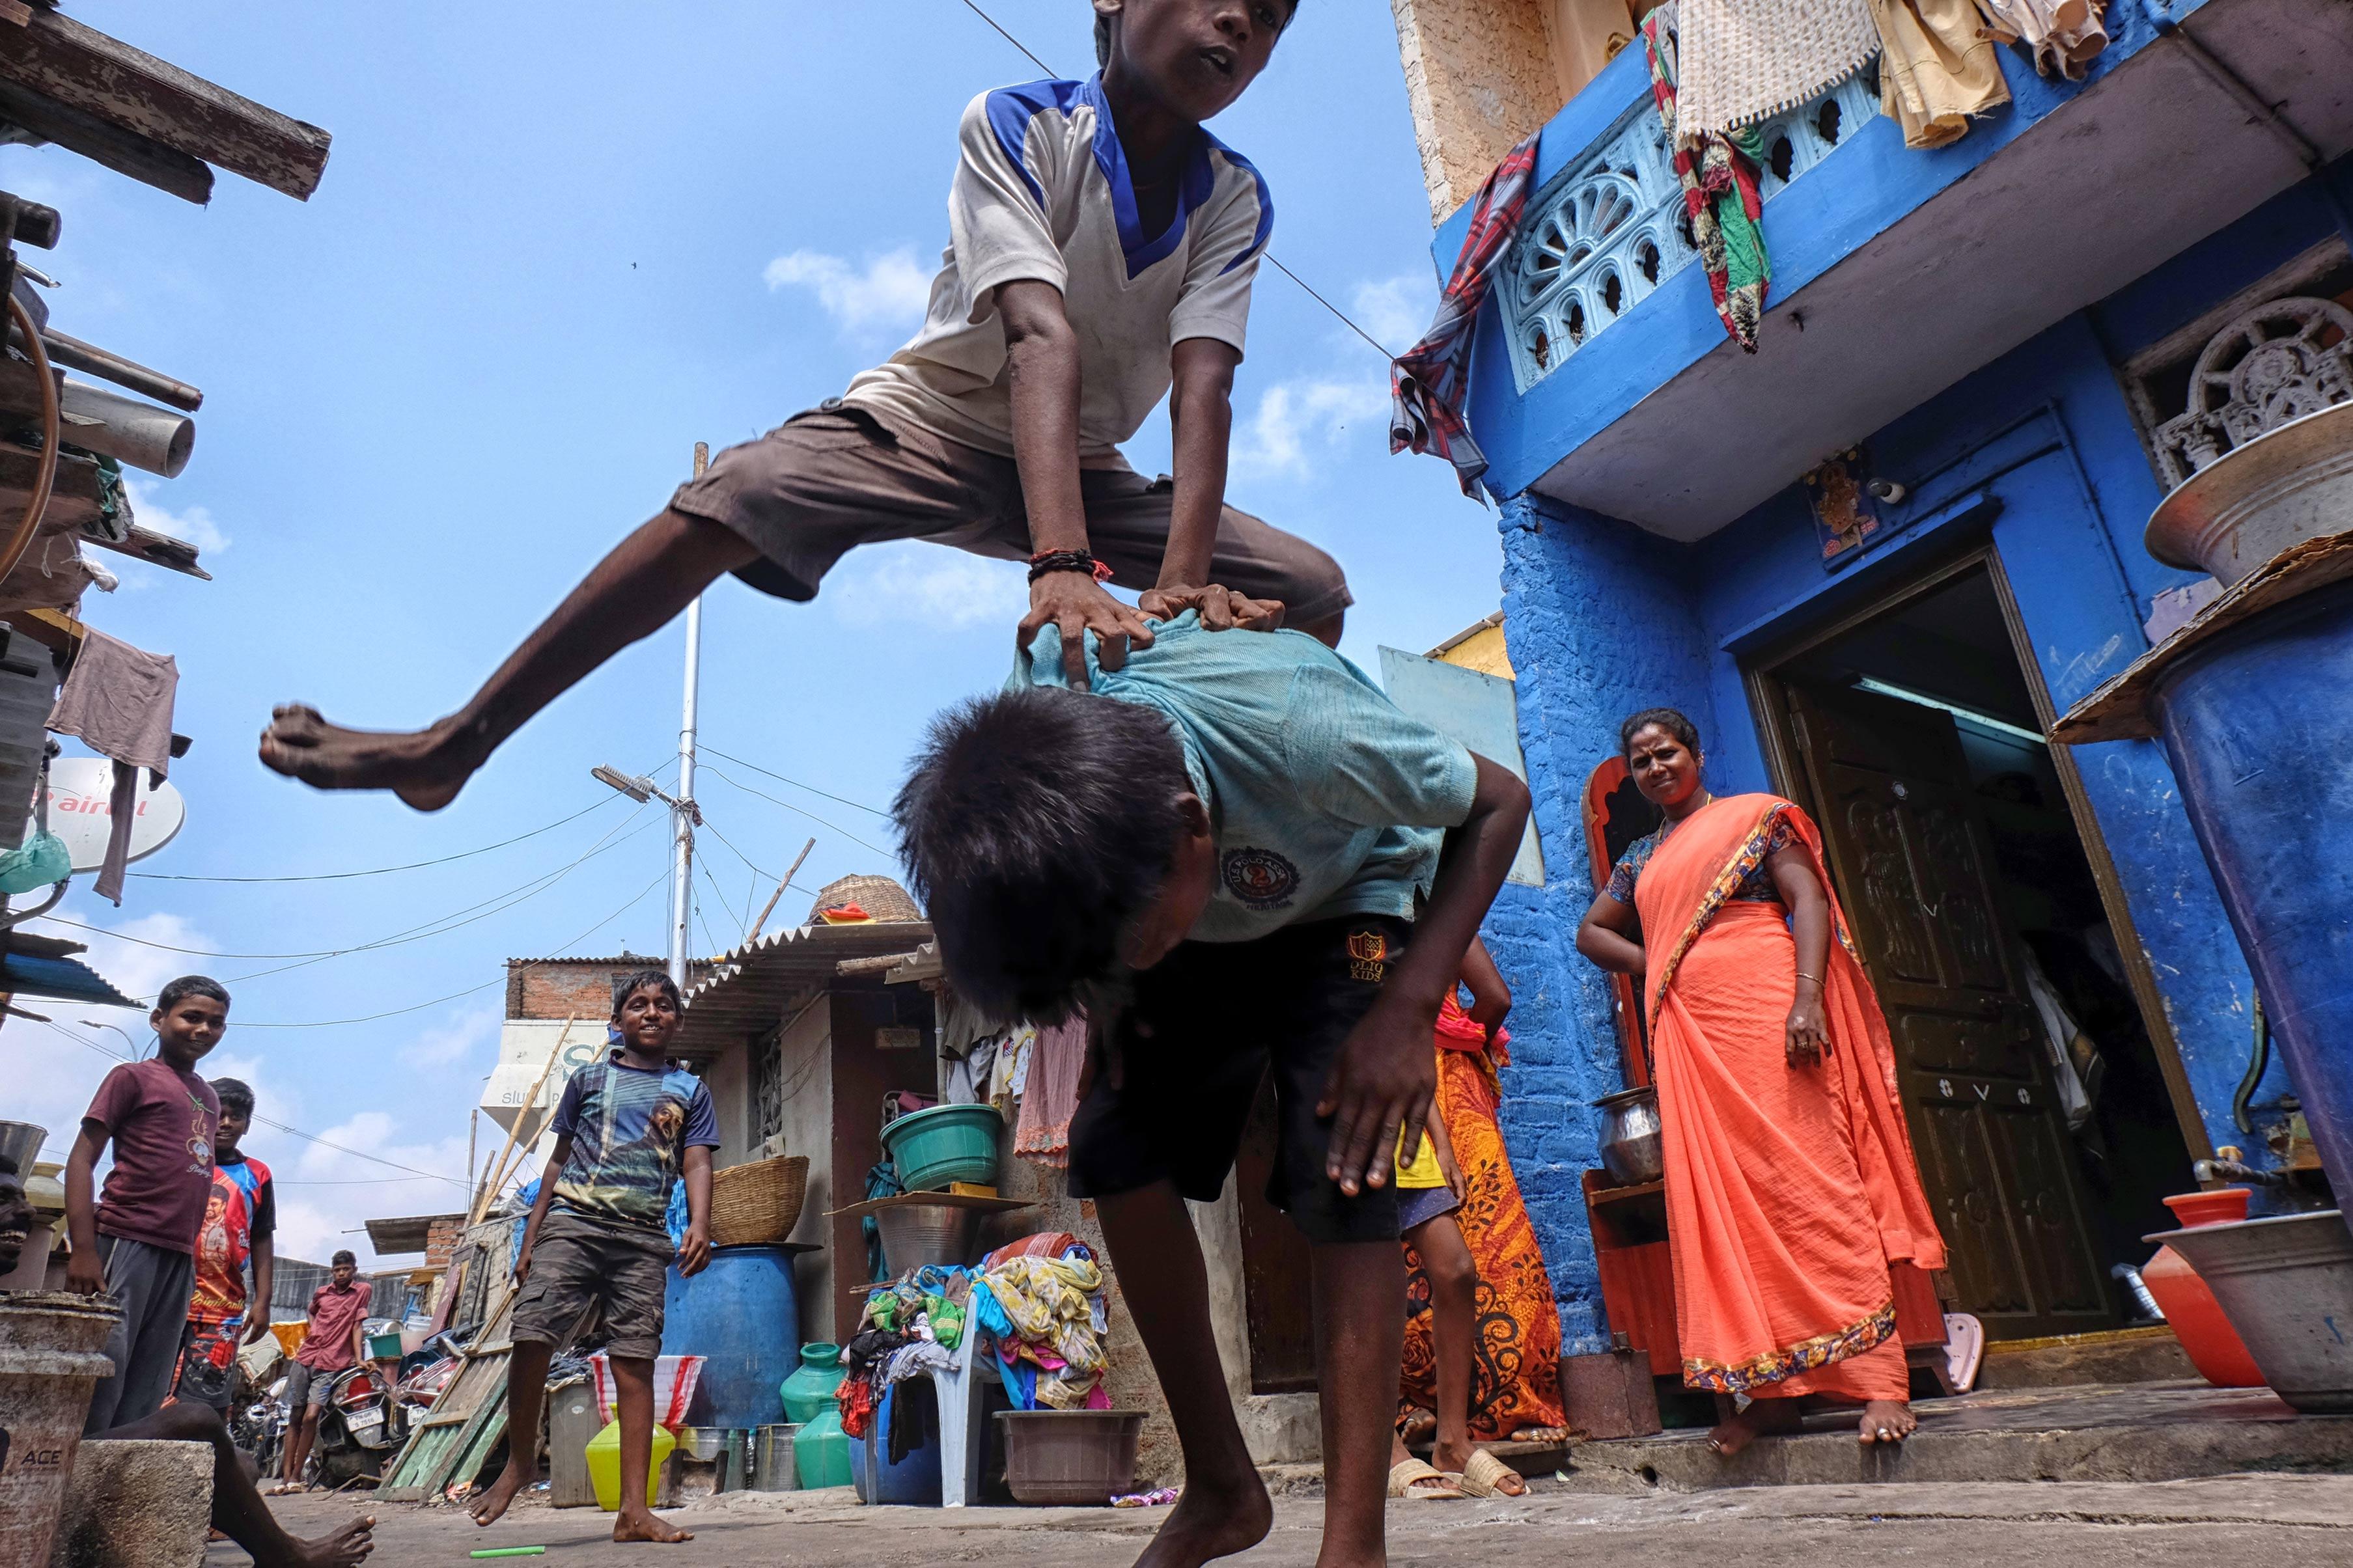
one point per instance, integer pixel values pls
(454, 1040)
(909, 583)
(1299, 421)
(891, 291)
(196, 525)
(1396, 312)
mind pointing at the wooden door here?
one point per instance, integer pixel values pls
(1278, 1288)
(1914, 869)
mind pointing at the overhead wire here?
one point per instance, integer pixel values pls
(1275, 261)
(797, 784)
(724, 777)
(387, 871)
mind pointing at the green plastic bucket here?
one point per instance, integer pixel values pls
(946, 1143)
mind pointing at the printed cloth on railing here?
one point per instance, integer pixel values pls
(1718, 170)
(1430, 382)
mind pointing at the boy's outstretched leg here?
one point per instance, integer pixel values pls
(526, 1387)
(633, 592)
(633, 1387)
(1224, 1508)
(1359, 1342)
(238, 1511)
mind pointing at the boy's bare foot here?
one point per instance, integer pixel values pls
(1208, 1523)
(486, 1508)
(423, 767)
(346, 1548)
(1762, 1419)
(1887, 1421)
(644, 1524)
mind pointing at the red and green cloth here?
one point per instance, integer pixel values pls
(1719, 172)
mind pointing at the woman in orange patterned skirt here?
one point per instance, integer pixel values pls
(1792, 1184)
(1494, 1374)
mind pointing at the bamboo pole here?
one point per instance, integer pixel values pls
(770, 907)
(530, 1103)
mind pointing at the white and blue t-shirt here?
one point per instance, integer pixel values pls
(1042, 193)
(1325, 798)
(630, 1128)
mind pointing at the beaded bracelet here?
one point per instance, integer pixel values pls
(1047, 560)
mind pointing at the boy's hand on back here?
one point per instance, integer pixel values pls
(1221, 608)
(1076, 605)
(1384, 1081)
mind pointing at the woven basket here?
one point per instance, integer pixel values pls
(880, 897)
(755, 1204)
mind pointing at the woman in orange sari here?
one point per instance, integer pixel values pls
(1792, 1184)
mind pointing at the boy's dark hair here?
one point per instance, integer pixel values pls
(659, 979)
(1103, 33)
(188, 985)
(1666, 719)
(1035, 825)
(343, 1255)
(234, 1094)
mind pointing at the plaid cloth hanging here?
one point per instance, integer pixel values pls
(1428, 382)
(1718, 172)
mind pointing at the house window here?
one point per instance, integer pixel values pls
(767, 1087)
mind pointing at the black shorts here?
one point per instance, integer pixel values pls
(576, 1263)
(1183, 1062)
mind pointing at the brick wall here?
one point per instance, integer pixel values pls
(439, 1237)
(560, 988)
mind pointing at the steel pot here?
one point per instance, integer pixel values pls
(1631, 1149)
(2286, 1285)
(2286, 486)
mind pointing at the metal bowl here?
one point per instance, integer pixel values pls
(1631, 1149)
(916, 1235)
(20, 1145)
(2288, 485)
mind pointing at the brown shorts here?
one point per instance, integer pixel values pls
(575, 1264)
(840, 475)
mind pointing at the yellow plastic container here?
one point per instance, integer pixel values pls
(605, 1465)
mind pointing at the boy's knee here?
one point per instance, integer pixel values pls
(1451, 1275)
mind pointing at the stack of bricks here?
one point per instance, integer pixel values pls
(440, 1238)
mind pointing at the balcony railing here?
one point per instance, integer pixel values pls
(1603, 235)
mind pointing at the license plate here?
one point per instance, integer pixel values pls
(364, 1418)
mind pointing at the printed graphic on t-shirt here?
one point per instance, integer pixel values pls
(1368, 955)
(236, 1207)
(1261, 878)
(629, 1131)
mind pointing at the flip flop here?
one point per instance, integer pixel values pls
(1484, 1475)
(1408, 1474)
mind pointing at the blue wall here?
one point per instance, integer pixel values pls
(2036, 453)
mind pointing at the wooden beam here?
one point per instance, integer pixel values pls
(157, 549)
(83, 68)
(124, 151)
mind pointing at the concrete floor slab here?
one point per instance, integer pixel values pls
(2140, 1433)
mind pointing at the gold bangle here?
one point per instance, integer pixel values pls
(1815, 978)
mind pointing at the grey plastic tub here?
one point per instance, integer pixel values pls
(1070, 1459)
(2286, 1285)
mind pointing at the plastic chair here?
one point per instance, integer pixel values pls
(962, 1433)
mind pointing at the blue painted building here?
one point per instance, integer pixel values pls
(1875, 560)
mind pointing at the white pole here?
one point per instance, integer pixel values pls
(682, 898)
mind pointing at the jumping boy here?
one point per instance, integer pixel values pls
(626, 1129)
(137, 1242)
(1102, 250)
(239, 1225)
(1232, 831)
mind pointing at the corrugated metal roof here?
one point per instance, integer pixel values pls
(748, 994)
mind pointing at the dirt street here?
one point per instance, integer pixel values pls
(2281, 1522)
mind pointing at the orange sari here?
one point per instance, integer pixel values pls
(1790, 1189)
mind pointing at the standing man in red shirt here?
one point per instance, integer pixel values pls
(337, 1339)
(240, 1219)
(138, 1242)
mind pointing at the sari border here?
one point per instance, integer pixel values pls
(1807, 1355)
(1750, 855)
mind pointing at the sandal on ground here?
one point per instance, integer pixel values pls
(1414, 1480)
(1484, 1477)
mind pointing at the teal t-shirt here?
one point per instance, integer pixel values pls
(1327, 800)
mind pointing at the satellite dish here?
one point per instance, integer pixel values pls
(81, 790)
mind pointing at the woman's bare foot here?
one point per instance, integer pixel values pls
(1887, 1421)
(346, 1548)
(635, 1523)
(488, 1508)
(424, 767)
(1208, 1523)
(1764, 1417)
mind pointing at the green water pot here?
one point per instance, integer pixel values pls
(821, 1451)
(810, 1388)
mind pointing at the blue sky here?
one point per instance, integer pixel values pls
(554, 247)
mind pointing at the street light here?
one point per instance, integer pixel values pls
(636, 789)
(94, 1024)
(685, 816)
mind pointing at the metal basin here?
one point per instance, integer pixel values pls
(2289, 485)
(1632, 1149)
(2286, 1285)
(20, 1145)
(916, 1235)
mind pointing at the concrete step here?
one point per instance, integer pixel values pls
(2140, 1433)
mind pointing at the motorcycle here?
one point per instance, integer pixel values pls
(359, 1426)
(257, 1427)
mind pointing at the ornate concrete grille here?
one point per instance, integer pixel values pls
(2277, 361)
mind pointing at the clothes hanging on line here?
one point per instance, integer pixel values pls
(1057, 1062)
(2064, 34)
(1746, 60)
(1719, 176)
(118, 701)
(1937, 69)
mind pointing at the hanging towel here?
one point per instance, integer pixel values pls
(1745, 59)
(1938, 70)
(2063, 34)
(1430, 382)
(1718, 170)
(1043, 1133)
(117, 700)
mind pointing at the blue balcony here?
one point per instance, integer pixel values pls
(1604, 379)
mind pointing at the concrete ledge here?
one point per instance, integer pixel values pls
(2125, 1355)
(136, 1504)
(2162, 1432)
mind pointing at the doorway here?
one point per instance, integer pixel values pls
(2034, 1084)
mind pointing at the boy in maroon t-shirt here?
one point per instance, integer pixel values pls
(138, 1242)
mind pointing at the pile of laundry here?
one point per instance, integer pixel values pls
(911, 1328)
(1041, 1301)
